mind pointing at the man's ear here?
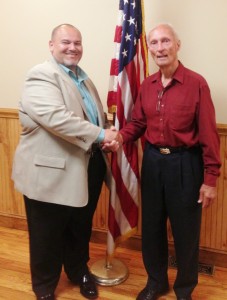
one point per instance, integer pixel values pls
(50, 46)
(178, 44)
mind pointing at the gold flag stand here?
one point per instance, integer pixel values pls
(109, 272)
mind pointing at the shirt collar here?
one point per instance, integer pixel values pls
(81, 75)
(178, 75)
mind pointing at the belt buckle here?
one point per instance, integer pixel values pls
(164, 150)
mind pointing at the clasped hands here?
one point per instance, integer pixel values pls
(112, 140)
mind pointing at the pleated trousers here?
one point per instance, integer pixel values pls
(170, 190)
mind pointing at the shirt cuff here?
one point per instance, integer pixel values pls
(210, 179)
(100, 137)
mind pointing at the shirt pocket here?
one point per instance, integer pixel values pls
(51, 162)
(181, 117)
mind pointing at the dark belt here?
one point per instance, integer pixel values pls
(168, 150)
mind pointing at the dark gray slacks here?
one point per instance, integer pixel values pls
(59, 235)
(170, 189)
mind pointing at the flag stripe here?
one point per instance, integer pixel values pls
(128, 69)
(112, 221)
(124, 196)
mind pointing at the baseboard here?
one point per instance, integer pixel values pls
(205, 257)
(15, 222)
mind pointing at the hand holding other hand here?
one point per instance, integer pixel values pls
(113, 140)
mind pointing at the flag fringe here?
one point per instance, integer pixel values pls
(144, 40)
(121, 239)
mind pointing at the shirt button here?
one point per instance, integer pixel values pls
(161, 119)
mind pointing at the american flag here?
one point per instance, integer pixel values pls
(128, 69)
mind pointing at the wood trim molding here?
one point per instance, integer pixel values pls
(10, 113)
(13, 113)
(222, 129)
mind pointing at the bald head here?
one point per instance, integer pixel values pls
(163, 26)
(60, 27)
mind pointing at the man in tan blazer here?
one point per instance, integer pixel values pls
(59, 166)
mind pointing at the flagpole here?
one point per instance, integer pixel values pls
(128, 66)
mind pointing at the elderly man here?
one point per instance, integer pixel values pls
(180, 165)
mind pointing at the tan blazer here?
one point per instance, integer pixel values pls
(51, 160)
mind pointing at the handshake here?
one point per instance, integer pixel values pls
(112, 140)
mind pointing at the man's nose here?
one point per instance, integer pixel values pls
(159, 46)
(72, 46)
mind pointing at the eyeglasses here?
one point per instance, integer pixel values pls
(160, 94)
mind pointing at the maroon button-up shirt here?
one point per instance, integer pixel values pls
(181, 114)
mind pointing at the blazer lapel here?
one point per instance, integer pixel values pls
(90, 88)
(70, 83)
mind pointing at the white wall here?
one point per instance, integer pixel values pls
(26, 26)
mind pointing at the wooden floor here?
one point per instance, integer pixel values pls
(15, 283)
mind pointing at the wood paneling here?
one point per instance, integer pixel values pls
(12, 214)
(214, 221)
(10, 200)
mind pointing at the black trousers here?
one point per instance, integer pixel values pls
(59, 235)
(170, 189)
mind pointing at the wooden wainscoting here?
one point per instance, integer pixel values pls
(213, 243)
